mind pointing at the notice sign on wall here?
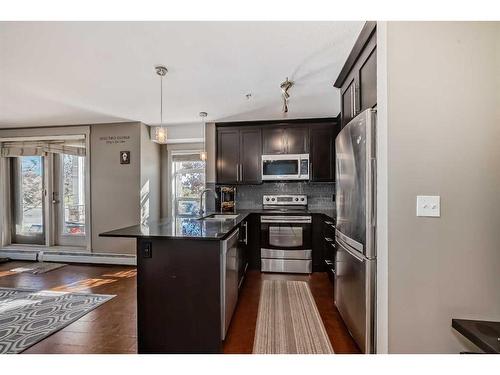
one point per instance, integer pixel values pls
(115, 139)
(124, 157)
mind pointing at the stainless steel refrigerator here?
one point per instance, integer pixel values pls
(355, 261)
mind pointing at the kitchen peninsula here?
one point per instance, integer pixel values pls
(189, 270)
(188, 273)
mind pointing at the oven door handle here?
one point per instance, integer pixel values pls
(286, 220)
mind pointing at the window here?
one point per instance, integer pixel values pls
(27, 209)
(188, 181)
(72, 200)
(48, 191)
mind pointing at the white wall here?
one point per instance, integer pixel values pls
(210, 141)
(150, 177)
(443, 121)
(382, 323)
(115, 187)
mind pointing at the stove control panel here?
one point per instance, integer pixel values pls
(285, 200)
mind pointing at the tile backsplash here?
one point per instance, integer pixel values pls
(320, 195)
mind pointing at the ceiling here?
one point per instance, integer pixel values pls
(62, 73)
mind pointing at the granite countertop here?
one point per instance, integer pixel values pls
(484, 334)
(196, 227)
(181, 227)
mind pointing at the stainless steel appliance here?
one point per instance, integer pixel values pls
(229, 279)
(355, 262)
(285, 167)
(286, 238)
(226, 198)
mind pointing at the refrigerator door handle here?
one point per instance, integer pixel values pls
(346, 247)
(374, 191)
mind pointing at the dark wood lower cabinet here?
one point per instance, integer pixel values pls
(253, 246)
(178, 296)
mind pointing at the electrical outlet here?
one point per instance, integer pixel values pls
(147, 250)
(429, 205)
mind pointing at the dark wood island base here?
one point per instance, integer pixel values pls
(178, 296)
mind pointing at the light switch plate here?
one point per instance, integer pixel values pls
(429, 205)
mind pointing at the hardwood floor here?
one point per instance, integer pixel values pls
(239, 339)
(111, 328)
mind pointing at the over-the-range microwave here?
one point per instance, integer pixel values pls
(285, 167)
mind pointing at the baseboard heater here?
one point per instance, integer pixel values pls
(69, 257)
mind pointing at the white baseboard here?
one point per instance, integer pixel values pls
(70, 257)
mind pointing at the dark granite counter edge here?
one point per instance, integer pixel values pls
(118, 233)
(470, 335)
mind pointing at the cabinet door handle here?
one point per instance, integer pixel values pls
(237, 172)
(241, 172)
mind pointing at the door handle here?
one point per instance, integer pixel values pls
(374, 190)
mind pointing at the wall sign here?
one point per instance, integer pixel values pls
(124, 157)
(115, 139)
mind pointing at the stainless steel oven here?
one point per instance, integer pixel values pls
(286, 243)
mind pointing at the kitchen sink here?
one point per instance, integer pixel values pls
(219, 217)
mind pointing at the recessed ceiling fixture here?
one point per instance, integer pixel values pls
(159, 133)
(203, 154)
(285, 86)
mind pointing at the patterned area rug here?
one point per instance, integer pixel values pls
(288, 321)
(28, 316)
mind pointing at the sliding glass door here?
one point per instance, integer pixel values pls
(48, 204)
(69, 200)
(28, 206)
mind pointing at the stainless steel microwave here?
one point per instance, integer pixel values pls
(285, 167)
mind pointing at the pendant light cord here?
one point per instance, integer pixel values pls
(161, 100)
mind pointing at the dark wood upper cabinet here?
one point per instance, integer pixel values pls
(368, 82)
(238, 155)
(228, 151)
(250, 156)
(240, 147)
(348, 95)
(273, 141)
(322, 156)
(285, 140)
(297, 140)
(357, 80)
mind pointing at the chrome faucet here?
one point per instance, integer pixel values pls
(201, 211)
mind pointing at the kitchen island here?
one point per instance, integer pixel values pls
(188, 273)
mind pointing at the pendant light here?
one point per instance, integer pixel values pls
(203, 154)
(159, 133)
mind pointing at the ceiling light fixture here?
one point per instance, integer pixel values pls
(285, 86)
(159, 133)
(203, 154)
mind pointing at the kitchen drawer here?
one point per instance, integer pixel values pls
(329, 228)
(330, 249)
(286, 254)
(286, 265)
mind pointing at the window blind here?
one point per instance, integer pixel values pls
(186, 157)
(30, 147)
